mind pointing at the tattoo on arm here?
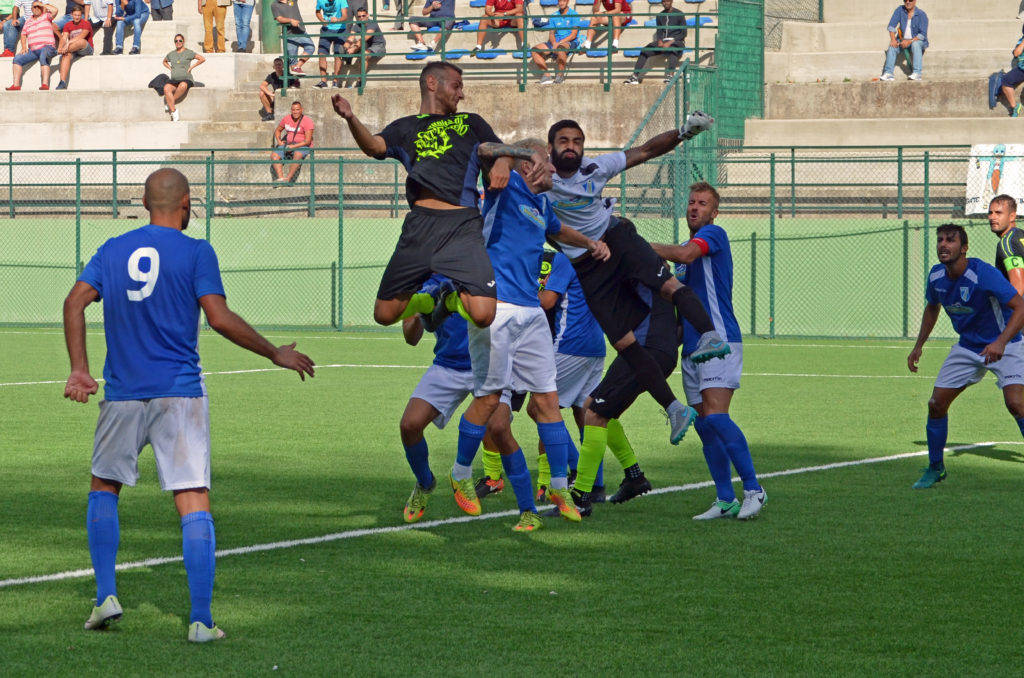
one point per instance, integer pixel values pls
(491, 150)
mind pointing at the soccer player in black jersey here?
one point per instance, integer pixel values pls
(1002, 219)
(442, 232)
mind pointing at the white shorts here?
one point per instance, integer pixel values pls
(445, 389)
(964, 367)
(178, 429)
(575, 377)
(515, 352)
(716, 373)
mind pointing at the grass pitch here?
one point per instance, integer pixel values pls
(847, 571)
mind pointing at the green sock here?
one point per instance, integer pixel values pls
(421, 302)
(453, 302)
(619, 445)
(543, 471)
(492, 464)
(595, 438)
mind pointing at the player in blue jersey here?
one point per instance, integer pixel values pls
(704, 263)
(516, 350)
(987, 313)
(153, 281)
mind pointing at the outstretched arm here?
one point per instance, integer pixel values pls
(372, 145)
(570, 236)
(230, 325)
(680, 254)
(80, 384)
(928, 319)
(696, 123)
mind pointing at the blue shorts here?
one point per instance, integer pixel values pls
(297, 42)
(329, 39)
(573, 44)
(1013, 78)
(291, 153)
(42, 55)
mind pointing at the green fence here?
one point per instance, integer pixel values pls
(739, 59)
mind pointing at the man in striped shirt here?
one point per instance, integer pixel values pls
(39, 43)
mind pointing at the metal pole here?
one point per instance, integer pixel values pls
(334, 295)
(771, 251)
(78, 216)
(10, 183)
(113, 179)
(341, 236)
(899, 182)
(311, 209)
(209, 195)
(792, 182)
(927, 188)
(753, 282)
(906, 277)
(268, 25)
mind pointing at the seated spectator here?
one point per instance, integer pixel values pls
(38, 42)
(179, 60)
(213, 11)
(563, 38)
(75, 42)
(361, 32)
(293, 140)
(501, 14)
(617, 13)
(332, 35)
(287, 12)
(68, 7)
(243, 23)
(161, 10)
(273, 82)
(439, 13)
(670, 35)
(908, 29)
(103, 16)
(1008, 82)
(134, 14)
(12, 26)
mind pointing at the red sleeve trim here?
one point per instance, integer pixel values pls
(704, 249)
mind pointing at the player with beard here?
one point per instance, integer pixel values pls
(1002, 219)
(610, 287)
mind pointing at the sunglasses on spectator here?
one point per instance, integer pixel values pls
(178, 40)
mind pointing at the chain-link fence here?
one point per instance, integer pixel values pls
(777, 11)
(739, 62)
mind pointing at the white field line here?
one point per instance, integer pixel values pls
(373, 531)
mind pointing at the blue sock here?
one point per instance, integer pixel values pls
(104, 531)
(599, 479)
(574, 455)
(1020, 425)
(557, 441)
(936, 431)
(416, 455)
(735, 445)
(519, 477)
(717, 459)
(470, 435)
(198, 545)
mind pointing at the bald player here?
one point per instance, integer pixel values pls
(152, 281)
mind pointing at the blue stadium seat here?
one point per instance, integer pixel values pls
(540, 21)
(549, 3)
(469, 25)
(456, 53)
(489, 53)
(517, 55)
(477, 3)
(597, 53)
(417, 56)
(434, 29)
(632, 53)
(704, 20)
(633, 22)
(651, 23)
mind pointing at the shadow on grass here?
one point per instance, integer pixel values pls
(991, 452)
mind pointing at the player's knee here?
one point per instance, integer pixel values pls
(937, 408)
(410, 430)
(1015, 405)
(482, 317)
(383, 316)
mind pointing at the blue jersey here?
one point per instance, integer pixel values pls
(711, 278)
(150, 280)
(516, 222)
(975, 302)
(451, 341)
(576, 330)
(563, 24)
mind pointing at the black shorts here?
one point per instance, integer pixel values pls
(448, 242)
(619, 387)
(610, 286)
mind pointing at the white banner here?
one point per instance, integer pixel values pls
(994, 169)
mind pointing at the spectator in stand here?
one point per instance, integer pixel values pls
(670, 35)
(562, 40)
(376, 46)
(213, 10)
(908, 29)
(332, 34)
(68, 7)
(273, 82)
(21, 11)
(38, 42)
(133, 13)
(179, 61)
(243, 23)
(501, 14)
(162, 10)
(439, 13)
(7, 9)
(293, 140)
(1008, 82)
(287, 12)
(75, 42)
(103, 17)
(615, 12)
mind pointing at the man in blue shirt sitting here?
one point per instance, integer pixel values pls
(987, 314)
(562, 40)
(133, 13)
(908, 29)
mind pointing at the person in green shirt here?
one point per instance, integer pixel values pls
(179, 61)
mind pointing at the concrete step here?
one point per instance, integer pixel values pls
(897, 99)
(946, 64)
(58, 108)
(158, 36)
(942, 34)
(882, 132)
(844, 10)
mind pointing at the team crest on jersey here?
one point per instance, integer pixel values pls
(965, 293)
(588, 186)
(532, 214)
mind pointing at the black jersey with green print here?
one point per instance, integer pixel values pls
(1010, 251)
(439, 152)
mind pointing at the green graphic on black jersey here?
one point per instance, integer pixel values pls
(434, 141)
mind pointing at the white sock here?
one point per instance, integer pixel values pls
(460, 472)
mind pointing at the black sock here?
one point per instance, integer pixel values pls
(634, 472)
(689, 308)
(648, 373)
